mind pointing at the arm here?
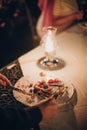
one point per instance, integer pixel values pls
(23, 119)
(68, 19)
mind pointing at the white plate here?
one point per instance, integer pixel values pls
(23, 83)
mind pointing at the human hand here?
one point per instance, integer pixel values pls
(49, 109)
(79, 15)
(4, 80)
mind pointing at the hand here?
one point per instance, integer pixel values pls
(79, 16)
(49, 109)
(4, 81)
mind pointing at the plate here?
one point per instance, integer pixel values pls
(33, 97)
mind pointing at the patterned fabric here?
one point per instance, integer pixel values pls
(7, 99)
(14, 73)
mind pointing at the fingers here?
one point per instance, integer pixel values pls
(4, 81)
(53, 106)
(49, 109)
(79, 15)
(52, 102)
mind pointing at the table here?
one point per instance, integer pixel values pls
(72, 48)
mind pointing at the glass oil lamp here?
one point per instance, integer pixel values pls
(50, 61)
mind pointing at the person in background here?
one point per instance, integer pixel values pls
(17, 118)
(58, 13)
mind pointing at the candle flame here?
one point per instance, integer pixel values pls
(49, 42)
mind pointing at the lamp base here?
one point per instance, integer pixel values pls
(47, 64)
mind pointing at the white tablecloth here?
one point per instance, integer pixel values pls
(72, 48)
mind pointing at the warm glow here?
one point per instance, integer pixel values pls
(49, 42)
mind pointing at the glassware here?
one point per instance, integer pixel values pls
(49, 43)
(50, 61)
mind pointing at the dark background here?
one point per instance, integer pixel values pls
(18, 20)
(17, 29)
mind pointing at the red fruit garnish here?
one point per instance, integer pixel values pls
(40, 83)
(37, 87)
(50, 81)
(57, 80)
(48, 89)
(53, 81)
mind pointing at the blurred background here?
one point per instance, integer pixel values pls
(18, 34)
